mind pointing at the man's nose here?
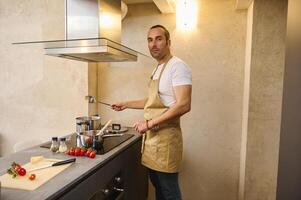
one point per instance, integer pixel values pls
(153, 44)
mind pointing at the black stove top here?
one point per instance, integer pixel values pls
(108, 142)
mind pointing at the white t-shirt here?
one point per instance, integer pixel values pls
(176, 73)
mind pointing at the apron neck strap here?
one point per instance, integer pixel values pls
(161, 69)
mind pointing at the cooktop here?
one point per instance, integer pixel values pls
(108, 142)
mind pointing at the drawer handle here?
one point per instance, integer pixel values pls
(106, 192)
(118, 189)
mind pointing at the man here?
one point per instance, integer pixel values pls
(169, 97)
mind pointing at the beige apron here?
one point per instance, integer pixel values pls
(161, 149)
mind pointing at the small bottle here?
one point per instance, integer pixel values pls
(63, 146)
(96, 143)
(54, 144)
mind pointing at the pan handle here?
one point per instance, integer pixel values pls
(101, 132)
(113, 135)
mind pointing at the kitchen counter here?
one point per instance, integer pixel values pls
(65, 181)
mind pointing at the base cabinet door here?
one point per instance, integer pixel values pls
(121, 178)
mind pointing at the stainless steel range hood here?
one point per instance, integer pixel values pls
(92, 33)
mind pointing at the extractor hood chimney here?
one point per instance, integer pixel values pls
(92, 33)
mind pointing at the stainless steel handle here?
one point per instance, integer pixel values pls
(118, 179)
(113, 135)
(118, 189)
(106, 192)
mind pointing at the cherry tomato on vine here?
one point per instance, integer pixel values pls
(92, 154)
(21, 171)
(32, 177)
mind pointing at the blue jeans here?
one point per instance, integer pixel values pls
(166, 185)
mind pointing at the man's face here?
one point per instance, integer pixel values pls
(157, 44)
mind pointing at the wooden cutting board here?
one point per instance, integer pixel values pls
(42, 176)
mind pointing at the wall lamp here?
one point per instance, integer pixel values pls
(186, 14)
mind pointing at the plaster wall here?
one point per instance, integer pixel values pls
(40, 96)
(246, 96)
(265, 99)
(289, 176)
(215, 51)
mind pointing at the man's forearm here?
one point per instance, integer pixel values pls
(182, 106)
(137, 104)
(172, 113)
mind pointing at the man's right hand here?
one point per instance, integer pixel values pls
(118, 106)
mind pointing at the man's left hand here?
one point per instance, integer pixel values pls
(140, 126)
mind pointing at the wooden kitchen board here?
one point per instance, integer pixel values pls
(42, 176)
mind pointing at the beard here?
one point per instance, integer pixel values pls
(159, 53)
(156, 54)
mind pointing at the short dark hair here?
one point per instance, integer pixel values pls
(166, 32)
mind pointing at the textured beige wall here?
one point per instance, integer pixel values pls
(246, 96)
(212, 130)
(39, 95)
(265, 99)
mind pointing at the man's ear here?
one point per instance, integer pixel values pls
(168, 42)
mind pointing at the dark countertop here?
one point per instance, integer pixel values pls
(74, 174)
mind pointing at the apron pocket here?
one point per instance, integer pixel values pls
(162, 156)
(150, 152)
(174, 156)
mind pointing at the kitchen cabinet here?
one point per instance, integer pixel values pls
(123, 171)
(87, 178)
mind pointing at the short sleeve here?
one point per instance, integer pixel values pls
(181, 74)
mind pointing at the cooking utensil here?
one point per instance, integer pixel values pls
(54, 164)
(101, 132)
(92, 99)
(107, 104)
(86, 138)
(88, 123)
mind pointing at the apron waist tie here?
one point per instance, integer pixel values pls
(165, 125)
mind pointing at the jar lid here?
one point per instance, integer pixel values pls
(54, 138)
(62, 139)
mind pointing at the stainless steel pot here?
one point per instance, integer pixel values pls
(87, 138)
(87, 123)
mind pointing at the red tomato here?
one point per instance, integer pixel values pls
(71, 152)
(32, 177)
(92, 154)
(88, 153)
(77, 152)
(83, 152)
(21, 171)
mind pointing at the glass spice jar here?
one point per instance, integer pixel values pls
(63, 146)
(54, 144)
